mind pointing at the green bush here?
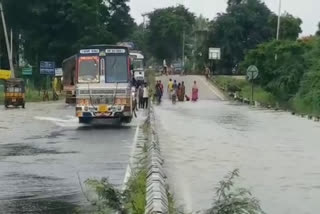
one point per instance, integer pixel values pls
(243, 88)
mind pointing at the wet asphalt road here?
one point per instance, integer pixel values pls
(277, 153)
(44, 153)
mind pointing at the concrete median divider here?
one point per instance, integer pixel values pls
(156, 196)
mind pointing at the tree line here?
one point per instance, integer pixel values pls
(56, 29)
(246, 33)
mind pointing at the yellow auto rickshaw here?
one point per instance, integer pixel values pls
(14, 90)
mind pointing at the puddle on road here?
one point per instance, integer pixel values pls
(7, 150)
(45, 206)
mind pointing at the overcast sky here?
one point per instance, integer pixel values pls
(307, 10)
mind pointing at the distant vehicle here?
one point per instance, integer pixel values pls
(14, 90)
(69, 78)
(137, 65)
(103, 85)
(177, 68)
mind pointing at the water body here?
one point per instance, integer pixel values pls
(277, 153)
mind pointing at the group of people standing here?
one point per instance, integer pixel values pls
(177, 91)
(143, 94)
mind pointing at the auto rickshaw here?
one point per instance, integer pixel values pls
(14, 90)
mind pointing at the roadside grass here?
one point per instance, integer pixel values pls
(243, 89)
(302, 106)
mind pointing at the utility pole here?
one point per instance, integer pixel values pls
(279, 20)
(7, 41)
(183, 42)
(183, 47)
(11, 43)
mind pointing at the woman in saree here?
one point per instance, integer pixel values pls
(179, 92)
(183, 91)
(195, 92)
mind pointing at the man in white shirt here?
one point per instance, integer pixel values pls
(145, 96)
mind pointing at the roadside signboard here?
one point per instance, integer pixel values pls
(47, 68)
(5, 74)
(215, 53)
(58, 72)
(252, 72)
(27, 71)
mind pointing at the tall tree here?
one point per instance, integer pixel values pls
(166, 31)
(241, 28)
(282, 76)
(55, 29)
(290, 26)
(318, 31)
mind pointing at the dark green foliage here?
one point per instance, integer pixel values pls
(109, 196)
(290, 26)
(281, 66)
(231, 200)
(318, 31)
(132, 200)
(241, 28)
(308, 98)
(166, 29)
(56, 29)
(245, 25)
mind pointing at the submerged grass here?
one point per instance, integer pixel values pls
(243, 88)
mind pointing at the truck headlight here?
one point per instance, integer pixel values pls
(122, 101)
(83, 102)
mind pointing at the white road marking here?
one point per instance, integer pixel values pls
(134, 145)
(213, 89)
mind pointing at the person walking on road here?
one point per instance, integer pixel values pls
(161, 87)
(179, 92)
(183, 91)
(140, 94)
(170, 88)
(145, 96)
(158, 92)
(207, 72)
(175, 85)
(195, 92)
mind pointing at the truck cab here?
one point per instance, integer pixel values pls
(137, 60)
(103, 89)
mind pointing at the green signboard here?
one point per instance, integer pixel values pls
(27, 71)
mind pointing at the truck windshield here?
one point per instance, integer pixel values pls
(88, 71)
(137, 64)
(116, 69)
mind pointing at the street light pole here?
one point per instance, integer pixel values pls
(279, 20)
(7, 41)
(183, 47)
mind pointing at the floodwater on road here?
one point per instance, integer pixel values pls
(45, 154)
(277, 153)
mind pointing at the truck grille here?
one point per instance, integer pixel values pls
(102, 92)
